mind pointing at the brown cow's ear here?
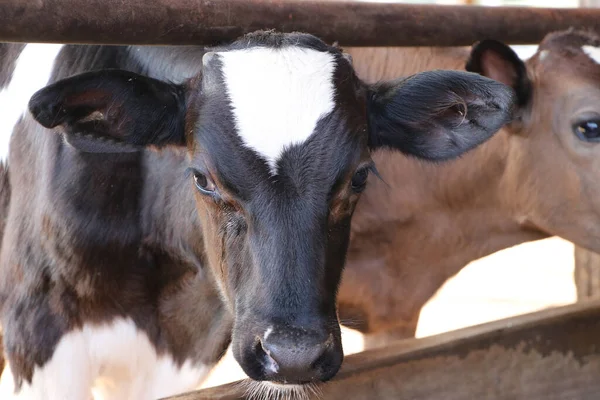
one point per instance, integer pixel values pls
(498, 61)
(113, 111)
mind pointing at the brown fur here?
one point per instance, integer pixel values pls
(532, 180)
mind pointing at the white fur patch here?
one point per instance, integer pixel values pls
(32, 72)
(592, 52)
(278, 95)
(268, 332)
(108, 362)
(544, 54)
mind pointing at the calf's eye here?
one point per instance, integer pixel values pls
(359, 180)
(203, 183)
(588, 130)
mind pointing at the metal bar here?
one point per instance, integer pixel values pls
(547, 355)
(209, 22)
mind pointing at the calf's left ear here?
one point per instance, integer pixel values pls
(437, 115)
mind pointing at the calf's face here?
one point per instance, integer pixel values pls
(278, 131)
(554, 151)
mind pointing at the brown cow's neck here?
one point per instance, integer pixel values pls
(422, 229)
(373, 64)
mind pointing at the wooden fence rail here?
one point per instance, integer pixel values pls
(208, 22)
(548, 355)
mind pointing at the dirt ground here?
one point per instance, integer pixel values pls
(515, 281)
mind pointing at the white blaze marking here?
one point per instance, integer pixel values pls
(278, 95)
(592, 52)
(32, 72)
(115, 362)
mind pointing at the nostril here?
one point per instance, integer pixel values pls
(326, 360)
(264, 354)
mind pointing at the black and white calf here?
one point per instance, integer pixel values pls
(162, 173)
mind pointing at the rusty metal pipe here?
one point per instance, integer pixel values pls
(209, 22)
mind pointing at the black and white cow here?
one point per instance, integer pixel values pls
(163, 198)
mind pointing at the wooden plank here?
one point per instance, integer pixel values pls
(207, 22)
(587, 273)
(548, 355)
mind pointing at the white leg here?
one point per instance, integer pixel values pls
(65, 377)
(113, 361)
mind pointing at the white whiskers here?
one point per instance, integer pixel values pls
(272, 391)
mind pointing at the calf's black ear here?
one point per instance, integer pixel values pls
(437, 115)
(113, 111)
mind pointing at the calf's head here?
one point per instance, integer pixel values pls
(278, 131)
(552, 176)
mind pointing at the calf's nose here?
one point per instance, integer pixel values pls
(298, 356)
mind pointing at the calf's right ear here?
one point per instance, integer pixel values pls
(113, 111)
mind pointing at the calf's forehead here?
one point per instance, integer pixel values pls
(277, 96)
(567, 55)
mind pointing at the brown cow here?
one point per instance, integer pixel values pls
(534, 179)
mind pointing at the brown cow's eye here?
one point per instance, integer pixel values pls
(359, 180)
(203, 183)
(588, 130)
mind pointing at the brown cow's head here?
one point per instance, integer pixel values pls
(278, 130)
(554, 154)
